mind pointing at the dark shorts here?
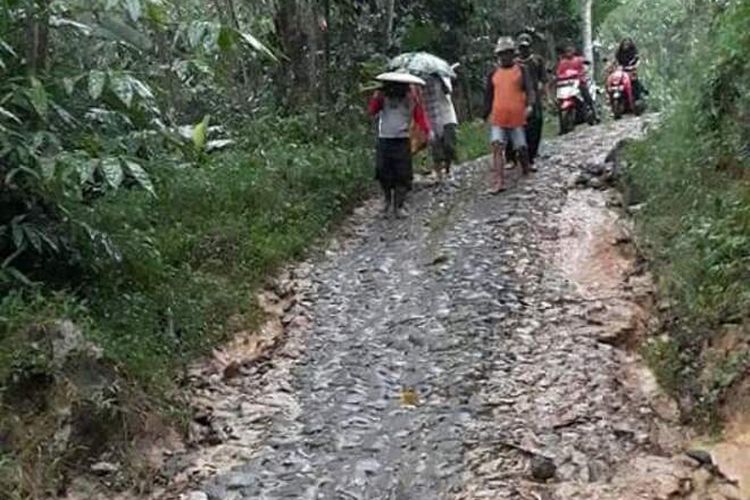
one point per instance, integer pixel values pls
(393, 163)
(444, 146)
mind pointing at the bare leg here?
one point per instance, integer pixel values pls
(523, 156)
(498, 168)
(399, 197)
(437, 170)
(387, 200)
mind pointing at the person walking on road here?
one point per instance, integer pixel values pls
(509, 98)
(536, 69)
(443, 120)
(396, 105)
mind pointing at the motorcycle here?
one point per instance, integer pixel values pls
(621, 89)
(570, 103)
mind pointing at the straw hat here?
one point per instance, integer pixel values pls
(504, 44)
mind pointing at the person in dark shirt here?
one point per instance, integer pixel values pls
(535, 67)
(627, 53)
(627, 57)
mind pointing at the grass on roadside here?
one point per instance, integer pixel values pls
(691, 175)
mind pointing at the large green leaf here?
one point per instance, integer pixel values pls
(112, 171)
(97, 79)
(38, 97)
(140, 88)
(121, 87)
(196, 31)
(64, 115)
(17, 228)
(7, 47)
(200, 133)
(59, 22)
(257, 45)
(69, 84)
(140, 175)
(114, 29)
(32, 236)
(226, 38)
(47, 166)
(133, 8)
(85, 168)
(156, 11)
(7, 114)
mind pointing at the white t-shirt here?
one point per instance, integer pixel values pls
(439, 105)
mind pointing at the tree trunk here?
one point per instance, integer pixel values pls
(236, 24)
(588, 38)
(296, 31)
(37, 36)
(325, 26)
(390, 13)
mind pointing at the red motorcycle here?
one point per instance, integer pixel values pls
(621, 85)
(570, 102)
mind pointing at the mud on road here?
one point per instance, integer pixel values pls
(477, 350)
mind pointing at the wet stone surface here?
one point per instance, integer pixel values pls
(447, 357)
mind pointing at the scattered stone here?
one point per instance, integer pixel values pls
(577, 179)
(421, 345)
(194, 495)
(104, 468)
(701, 456)
(596, 183)
(542, 468)
(232, 370)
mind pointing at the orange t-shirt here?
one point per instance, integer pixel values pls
(509, 99)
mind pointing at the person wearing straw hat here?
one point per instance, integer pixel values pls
(509, 98)
(396, 105)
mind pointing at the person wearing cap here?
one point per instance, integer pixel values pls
(396, 105)
(536, 69)
(443, 120)
(509, 99)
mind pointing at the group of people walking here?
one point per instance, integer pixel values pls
(400, 107)
(513, 108)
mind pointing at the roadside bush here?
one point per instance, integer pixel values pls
(692, 175)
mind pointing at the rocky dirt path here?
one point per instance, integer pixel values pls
(473, 351)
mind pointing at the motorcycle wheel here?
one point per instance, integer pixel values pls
(618, 109)
(567, 121)
(640, 108)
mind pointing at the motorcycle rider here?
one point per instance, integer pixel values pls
(627, 53)
(627, 57)
(571, 61)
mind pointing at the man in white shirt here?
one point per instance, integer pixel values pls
(442, 116)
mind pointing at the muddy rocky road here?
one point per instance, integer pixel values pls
(478, 350)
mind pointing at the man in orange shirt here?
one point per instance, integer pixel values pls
(509, 97)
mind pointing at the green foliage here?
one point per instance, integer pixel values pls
(472, 140)
(692, 176)
(192, 256)
(666, 33)
(79, 120)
